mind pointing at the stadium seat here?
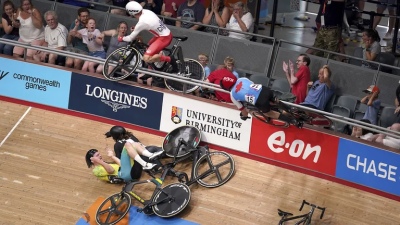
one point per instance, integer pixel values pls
(386, 58)
(281, 84)
(341, 111)
(360, 112)
(387, 117)
(358, 52)
(260, 79)
(348, 102)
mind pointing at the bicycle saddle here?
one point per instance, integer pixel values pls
(283, 213)
(181, 38)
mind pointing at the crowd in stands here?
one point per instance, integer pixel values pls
(25, 24)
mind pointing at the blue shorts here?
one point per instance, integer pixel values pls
(383, 7)
(98, 54)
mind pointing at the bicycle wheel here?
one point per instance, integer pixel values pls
(193, 70)
(113, 209)
(171, 200)
(274, 122)
(311, 118)
(121, 63)
(214, 169)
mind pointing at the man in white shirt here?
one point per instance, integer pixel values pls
(55, 38)
(241, 20)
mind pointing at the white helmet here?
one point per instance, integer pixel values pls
(133, 8)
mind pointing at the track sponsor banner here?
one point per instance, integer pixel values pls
(219, 125)
(34, 83)
(369, 166)
(116, 101)
(300, 147)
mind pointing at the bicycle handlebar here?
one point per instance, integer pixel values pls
(313, 207)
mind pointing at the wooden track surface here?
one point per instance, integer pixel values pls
(44, 180)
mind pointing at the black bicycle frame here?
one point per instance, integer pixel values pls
(306, 217)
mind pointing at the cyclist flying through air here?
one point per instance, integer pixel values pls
(244, 90)
(149, 21)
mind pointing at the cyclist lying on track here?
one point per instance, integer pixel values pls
(102, 170)
(130, 152)
(244, 90)
(149, 21)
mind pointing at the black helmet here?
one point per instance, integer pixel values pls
(89, 155)
(116, 132)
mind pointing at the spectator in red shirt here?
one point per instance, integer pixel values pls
(298, 81)
(216, 77)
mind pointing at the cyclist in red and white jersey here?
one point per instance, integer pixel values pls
(149, 21)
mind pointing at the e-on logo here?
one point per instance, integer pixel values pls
(3, 74)
(296, 148)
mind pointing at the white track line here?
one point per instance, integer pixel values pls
(16, 125)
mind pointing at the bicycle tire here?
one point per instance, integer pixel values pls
(270, 121)
(211, 169)
(113, 209)
(312, 118)
(178, 195)
(121, 71)
(193, 70)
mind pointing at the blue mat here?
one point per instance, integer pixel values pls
(136, 218)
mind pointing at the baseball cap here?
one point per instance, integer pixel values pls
(372, 89)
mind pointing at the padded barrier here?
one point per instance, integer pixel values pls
(248, 55)
(388, 84)
(351, 79)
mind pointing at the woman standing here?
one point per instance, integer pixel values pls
(216, 15)
(8, 24)
(31, 30)
(114, 43)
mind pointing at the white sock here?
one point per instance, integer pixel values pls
(147, 153)
(140, 160)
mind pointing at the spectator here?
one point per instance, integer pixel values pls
(114, 43)
(101, 169)
(95, 45)
(189, 12)
(360, 132)
(55, 38)
(75, 39)
(11, 31)
(373, 103)
(371, 48)
(241, 20)
(31, 31)
(319, 92)
(152, 5)
(330, 33)
(392, 12)
(397, 104)
(300, 79)
(229, 63)
(387, 140)
(216, 15)
(216, 77)
(169, 9)
(203, 60)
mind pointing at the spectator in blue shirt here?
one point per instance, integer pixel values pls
(319, 92)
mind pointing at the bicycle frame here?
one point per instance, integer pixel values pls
(306, 218)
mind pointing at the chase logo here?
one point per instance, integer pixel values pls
(3, 74)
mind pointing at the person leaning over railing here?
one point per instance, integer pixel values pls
(387, 140)
(55, 38)
(8, 25)
(216, 15)
(31, 31)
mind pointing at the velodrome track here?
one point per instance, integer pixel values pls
(44, 179)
